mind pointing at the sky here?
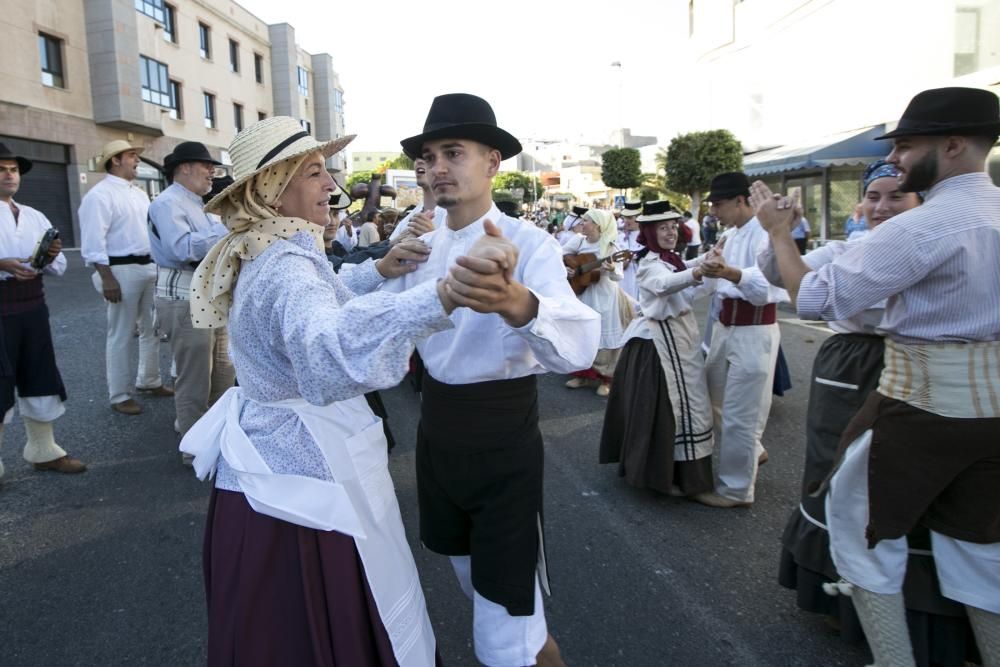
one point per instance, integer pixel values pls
(545, 66)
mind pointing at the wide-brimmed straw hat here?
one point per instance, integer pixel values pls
(633, 207)
(658, 211)
(267, 143)
(116, 147)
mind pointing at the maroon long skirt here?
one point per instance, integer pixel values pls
(281, 594)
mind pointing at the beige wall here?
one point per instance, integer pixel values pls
(198, 76)
(20, 69)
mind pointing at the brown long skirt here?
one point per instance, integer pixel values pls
(639, 428)
(282, 594)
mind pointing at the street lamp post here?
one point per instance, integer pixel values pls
(621, 132)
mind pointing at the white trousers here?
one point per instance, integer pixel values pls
(136, 307)
(969, 573)
(740, 372)
(499, 639)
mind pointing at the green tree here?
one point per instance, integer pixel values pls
(510, 180)
(692, 160)
(620, 168)
(398, 162)
(358, 177)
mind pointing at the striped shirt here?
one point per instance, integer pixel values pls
(937, 264)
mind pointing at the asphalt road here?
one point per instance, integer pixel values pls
(104, 568)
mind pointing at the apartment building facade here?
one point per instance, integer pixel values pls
(155, 72)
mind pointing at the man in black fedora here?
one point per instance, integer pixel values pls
(924, 450)
(180, 235)
(479, 448)
(744, 344)
(29, 377)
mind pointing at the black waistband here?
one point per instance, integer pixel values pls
(481, 414)
(129, 259)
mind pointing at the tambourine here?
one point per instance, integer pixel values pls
(40, 258)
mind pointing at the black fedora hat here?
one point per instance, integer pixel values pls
(23, 164)
(187, 151)
(728, 185)
(658, 211)
(943, 111)
(462, 116)
(579, 211)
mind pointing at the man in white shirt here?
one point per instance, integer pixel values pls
(628, 239)
(744, 347)
(28, 373)
(180, 235)
(115, 241)
(428, 206)
(694, 229)
(479, 450)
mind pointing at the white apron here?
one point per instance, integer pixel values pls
(361, 502)
(676, 340)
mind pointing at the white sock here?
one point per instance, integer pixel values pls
(883, 618)
(41, 446)
(986, 626)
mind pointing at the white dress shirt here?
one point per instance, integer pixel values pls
(563, 337)
(180, 230)
(439, 216)
(346, 239)
(113, 221)
(743, 245)
(937, 264)
(19, 239)
(368, 235)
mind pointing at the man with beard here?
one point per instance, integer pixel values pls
(180, 235)
(479, 448)
(115, 241)
(28, 373)
(923, 450)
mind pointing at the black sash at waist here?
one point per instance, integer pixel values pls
(130, 259)
(20, 296)
(496, 413)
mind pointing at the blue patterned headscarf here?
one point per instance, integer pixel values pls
(877, 169)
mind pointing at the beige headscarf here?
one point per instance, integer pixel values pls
(609, 229)
(254, 224)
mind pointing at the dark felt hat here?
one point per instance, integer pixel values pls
(219, 183)
(728, 185)
(658, 211)
(578, 211)
(509, 208)
(943, 111)
(187, 151)
(339, 199)
(462, 116)
(23, 164)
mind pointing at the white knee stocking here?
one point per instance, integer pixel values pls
(41, 446)
(883, 618)
(986, 626)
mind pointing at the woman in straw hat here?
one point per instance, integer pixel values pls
(306, 562)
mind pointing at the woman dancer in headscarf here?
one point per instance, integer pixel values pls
(305, 558)
(846, 369)
(658, 424)
(599, 235)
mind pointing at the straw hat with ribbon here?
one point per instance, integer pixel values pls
(266, 155)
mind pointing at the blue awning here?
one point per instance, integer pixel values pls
(855, 147)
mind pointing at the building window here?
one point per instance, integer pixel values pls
(258, 67)
(151, 8)
(234, 56)
(169, 23)
(306, 125)
(50, 53)
(155, 82)
(238, 116)
(176, 110)
(261, 115)
(205, 41)
(338, 100)
(303, 82)
(210, 111)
